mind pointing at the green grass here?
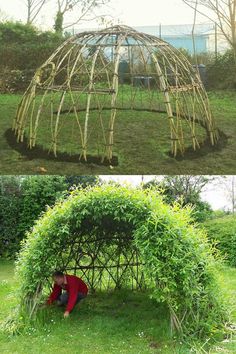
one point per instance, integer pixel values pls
(141, 144)
(116, 322)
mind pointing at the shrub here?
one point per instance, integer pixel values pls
(24, 198)
(37, 194)
(25, 56)
(15, 80)
(218, 70)
(220, 73)
(10, 202)
(222, 231)
(24, 47)
(19, 33)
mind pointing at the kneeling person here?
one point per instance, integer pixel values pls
(75, 291)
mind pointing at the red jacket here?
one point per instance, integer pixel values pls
(74, 286)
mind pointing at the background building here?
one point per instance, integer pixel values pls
(180, 36)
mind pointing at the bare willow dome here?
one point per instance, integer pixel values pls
(95, 76)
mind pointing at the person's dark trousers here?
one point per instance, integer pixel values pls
(63, 298)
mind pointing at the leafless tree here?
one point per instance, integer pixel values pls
(84, 8)
(230, 189)
(34, 7)
(223, 13)
(3, 16)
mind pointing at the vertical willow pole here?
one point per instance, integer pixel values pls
(164, 88)
(91, 84)
(115, 88)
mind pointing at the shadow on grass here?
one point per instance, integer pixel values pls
(40, 153)
(205, 149)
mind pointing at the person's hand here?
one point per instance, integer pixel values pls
(66, 314)
(44, 305)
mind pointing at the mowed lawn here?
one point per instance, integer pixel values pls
(106, 323)
(142, 145)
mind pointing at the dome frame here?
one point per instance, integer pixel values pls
(84, 75)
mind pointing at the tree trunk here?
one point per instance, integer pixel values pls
(58, 26)
(28, 12)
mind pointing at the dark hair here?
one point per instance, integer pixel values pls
(58, 273)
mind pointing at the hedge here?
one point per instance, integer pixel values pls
(222, 231)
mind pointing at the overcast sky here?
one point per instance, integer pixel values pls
(128, 12)
(215, 192)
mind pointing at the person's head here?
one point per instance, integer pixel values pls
(58, 277)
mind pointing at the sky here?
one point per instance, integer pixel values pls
(214, 193)
(128, 12)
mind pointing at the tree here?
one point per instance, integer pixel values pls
(24, 198)
(81, 181)
(84, 8)
(229, 185)
(223, 13)
(34, 7)
(186, 190)
(3, 16)
(38, 193)
(232, 194)
(10, 201)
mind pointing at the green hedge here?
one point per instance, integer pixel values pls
(23, 48)
(221, 73)
(24, 198)
(17, 32)
(21, 203)
(12, 81)
(223, 232)
(25, 56)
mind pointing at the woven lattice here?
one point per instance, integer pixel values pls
(95, 75)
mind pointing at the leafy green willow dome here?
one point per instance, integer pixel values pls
(118, 237)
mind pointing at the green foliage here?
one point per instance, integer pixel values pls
(23, 48)
(222, 231)
(204, 58)
(19, 33)
(81, 181)
(14, 80)
(221, 72)
(10, 202)
(107, 323)
(58, 26)
(37, 194)
(23, 199)
(13, 56)
(219, 214)
(201, 211)
(187, 191)
(177, 257)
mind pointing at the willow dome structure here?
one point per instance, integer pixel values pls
(94, 76)
(119, 237)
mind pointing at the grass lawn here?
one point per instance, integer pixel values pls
(142, 145)
(118, 322)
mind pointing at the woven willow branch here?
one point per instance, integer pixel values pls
(84, 75)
